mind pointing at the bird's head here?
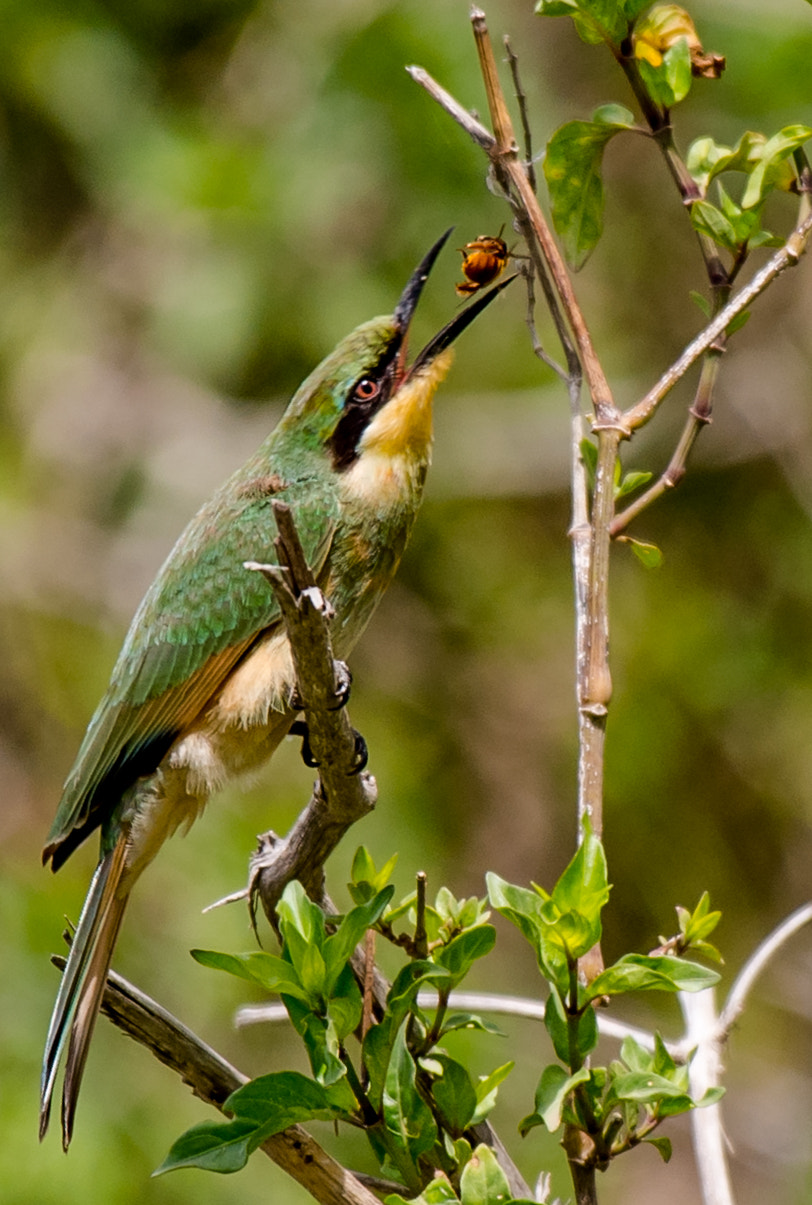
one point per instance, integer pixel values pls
(363, 397)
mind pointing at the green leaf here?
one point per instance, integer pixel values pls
(339, 947)
(771, 170)
(409, 980)
(584, 885)
(648, 554)
(589, 455)
(517, 904)
(707, 159)
(275, 1101)
(270, 972)
(436, 1192)
(263, 1107)
(469, 1021)
(486, 1090)
(483, 1182)
(663, 1145)
(616, 116)
(670, 82)
(312, 972)
(554, 1088)
(644, 972)
(556, 8)
(463, 950)
(738, 322)
(298, 914)
(572, 168)
(702, 302)
(454, 1096)
(346, 1005)
(213, 1146)
(635, 1056)
(648, 1088)
(410, 1127)
(559, 1026)
(555, 1022)
(631, 482)
(709, 220)
(323, 1048)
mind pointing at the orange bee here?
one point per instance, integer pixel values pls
(482, 262)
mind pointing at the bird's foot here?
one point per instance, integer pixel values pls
(300, 728)
(360, 752)
(361, 756)
(343, 682)
(343, 676)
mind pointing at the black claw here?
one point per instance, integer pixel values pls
(361, 753)
(343, 684)
(300, 728)
(296, 702)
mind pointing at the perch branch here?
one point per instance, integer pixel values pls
(212, 1079)
(341, 795)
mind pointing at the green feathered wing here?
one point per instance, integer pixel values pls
(200, 617)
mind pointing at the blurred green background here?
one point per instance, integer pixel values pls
(197, 201)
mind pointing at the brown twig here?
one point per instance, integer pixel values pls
(341, 795)
(213, 1079)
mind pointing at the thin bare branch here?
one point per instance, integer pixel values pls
(213, 1079)
(474, 128)
(705, 1071)
(737, 996)
(786, 257)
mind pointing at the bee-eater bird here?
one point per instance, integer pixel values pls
(203, 688)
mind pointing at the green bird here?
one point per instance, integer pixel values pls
(204, 687)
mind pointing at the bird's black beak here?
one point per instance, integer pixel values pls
(410, 296)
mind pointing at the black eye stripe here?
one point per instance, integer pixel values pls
(366, 397)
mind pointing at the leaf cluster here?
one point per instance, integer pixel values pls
(414, 1102)
(617, 1107)
(660, 53)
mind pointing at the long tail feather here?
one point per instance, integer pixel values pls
(80, 992)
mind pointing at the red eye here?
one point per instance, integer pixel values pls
(367, 389)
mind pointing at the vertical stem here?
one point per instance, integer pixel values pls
(583, 1181)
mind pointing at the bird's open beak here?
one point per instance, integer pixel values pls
(407, 305)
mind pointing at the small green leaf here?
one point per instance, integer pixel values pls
(554, 1088)
(409, 980)
(454, 1096)
(589, 455)
(269, 971)
(670, 81)
(584, 885)
(702, 302)
(483, 1182)
(463, 950)
(614, 115)
(648, 554)
(632, 481)
(345, 1005)
(486, 1090)
(772, 169)
(339, 947)
(212, 1146)
(556, 8)
(738, 322)
(470, 1021)
(709, 220)
(663, 1145)
(644, 972)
